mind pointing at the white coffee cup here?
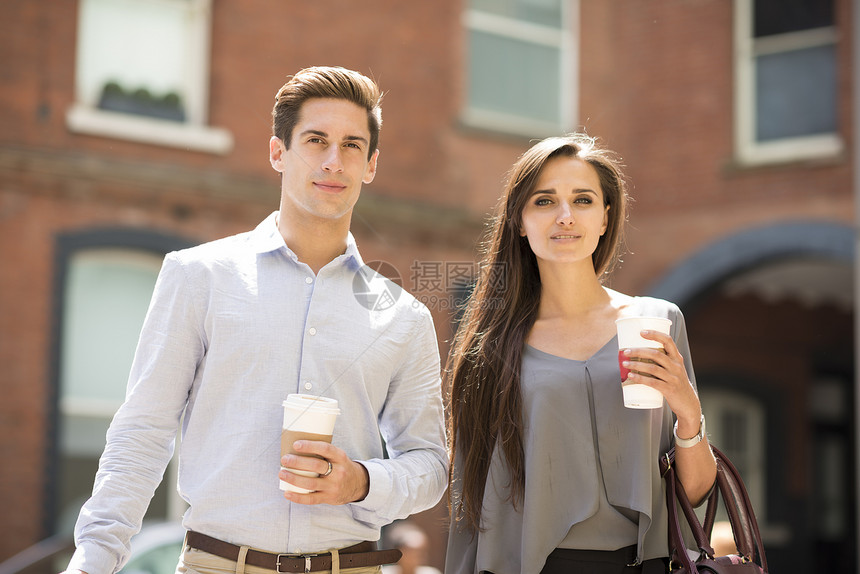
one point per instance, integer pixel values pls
(306, 417)
(638, 396)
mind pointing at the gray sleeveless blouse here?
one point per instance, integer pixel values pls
(592, 476)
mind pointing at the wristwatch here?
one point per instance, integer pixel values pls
(688, 442)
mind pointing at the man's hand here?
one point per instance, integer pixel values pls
(348, 481)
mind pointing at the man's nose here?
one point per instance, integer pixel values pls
(332, 160)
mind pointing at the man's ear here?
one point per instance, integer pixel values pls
(370, 171)
(276, 153)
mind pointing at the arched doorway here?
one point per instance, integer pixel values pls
(770, 317)
(103, 285)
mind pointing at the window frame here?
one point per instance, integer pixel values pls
(717, 400)
(86, 118)
(521, 30)
(746, 48)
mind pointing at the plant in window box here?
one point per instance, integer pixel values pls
(170, 106)
(141, 102)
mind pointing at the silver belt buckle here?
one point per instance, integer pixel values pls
(307, 558)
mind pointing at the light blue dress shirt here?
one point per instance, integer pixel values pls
(235, 326)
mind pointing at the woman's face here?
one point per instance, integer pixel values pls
(565, 216)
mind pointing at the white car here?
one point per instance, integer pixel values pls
(155, 549)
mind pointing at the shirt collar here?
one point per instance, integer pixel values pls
(266, 238)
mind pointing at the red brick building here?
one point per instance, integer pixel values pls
(132, 127)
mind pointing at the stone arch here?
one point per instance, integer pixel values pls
(745, 250)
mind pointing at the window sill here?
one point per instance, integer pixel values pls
(816, 148)
(86, 120)
(500, 123)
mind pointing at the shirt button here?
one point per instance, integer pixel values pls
(312, 331)
(309, 280)
(308, 386)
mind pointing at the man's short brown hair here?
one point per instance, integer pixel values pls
(326, 82)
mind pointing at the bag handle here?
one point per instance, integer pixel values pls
(736, 501)
(734, 487)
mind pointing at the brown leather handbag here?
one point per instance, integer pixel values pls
(750, 558)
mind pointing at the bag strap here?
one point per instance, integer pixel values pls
(754, 549)
(736, 500)
(676, 496)
(677, 552)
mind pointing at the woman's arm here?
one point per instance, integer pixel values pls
(696, 466)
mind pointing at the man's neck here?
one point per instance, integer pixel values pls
(315, 243)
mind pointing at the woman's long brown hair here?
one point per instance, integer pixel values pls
(483, 371)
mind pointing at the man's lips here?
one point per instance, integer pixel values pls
(330, 186)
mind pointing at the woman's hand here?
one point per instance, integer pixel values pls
(665, 371)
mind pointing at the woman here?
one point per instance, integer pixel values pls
(550, 472)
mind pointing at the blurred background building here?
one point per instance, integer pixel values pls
(129, 128)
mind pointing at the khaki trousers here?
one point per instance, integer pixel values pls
(194, 561)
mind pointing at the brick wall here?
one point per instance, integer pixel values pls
(655, 83)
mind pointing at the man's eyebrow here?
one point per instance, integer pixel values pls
(356, 138)
(325, 135)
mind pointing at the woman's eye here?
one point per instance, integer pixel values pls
(584, 200)
(543, 201)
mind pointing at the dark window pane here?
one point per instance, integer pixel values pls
(781, 16)
(796, 93)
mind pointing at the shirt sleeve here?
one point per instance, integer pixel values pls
(412, 424)
(140, 440)
(679, 328)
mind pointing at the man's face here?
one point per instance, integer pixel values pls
(327, 160)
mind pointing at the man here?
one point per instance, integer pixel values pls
(235, 326)
(411, 540)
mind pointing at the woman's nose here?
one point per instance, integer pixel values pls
(565, 215)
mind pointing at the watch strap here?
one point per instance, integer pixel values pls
(688, 442)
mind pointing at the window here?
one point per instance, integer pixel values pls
(520, 66)
(736, 426)
(106, 295)
(786, 88)
(142, 73)
(830, 414)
